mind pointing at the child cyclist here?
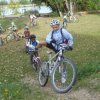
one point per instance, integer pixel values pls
(26, 35)
(32, 43)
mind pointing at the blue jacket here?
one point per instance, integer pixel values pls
(33, 43)
(57, 36)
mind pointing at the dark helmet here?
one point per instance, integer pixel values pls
(32, 36)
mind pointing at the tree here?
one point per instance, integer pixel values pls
(57, 5)
(2, 2)
(24, 2)
(14, 5)
(88, 4)
(62, 6)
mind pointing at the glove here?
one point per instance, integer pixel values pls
(53, 41)
(70, 48)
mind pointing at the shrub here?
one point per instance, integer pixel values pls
(54, 14)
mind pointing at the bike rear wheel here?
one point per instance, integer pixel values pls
(67, 68)
(10, 37)
(43, 74)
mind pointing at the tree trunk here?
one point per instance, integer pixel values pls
(60, 13)
(58, 7)
(71, 7)
(67, 5)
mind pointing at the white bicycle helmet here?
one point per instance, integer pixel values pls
(54, 22)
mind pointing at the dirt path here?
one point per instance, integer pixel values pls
(81, 94)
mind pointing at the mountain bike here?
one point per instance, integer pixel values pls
(73, 19)
(64, 24)
(36, 61)
(13, 35)
(33, 22)
(61, 70)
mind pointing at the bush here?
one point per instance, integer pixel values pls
(6, 22)
(54, 14)
(35, 12)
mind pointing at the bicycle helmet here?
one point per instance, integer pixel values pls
(26, 27)
(32, 36)
(54, 22)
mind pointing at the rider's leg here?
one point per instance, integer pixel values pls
(36, 53)
(50, 46)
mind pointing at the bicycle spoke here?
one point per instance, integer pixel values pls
(64, 79)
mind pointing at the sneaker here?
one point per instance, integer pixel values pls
(50, 69)
(59, 69)
(63, 78)
(38, 57)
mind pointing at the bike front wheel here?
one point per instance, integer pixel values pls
(43, 74)
(64, 76)
(9, 37)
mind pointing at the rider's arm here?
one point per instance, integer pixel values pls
(48, 38)
(68, 36)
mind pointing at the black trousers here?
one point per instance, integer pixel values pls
(50, 46)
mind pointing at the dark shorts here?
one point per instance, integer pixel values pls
(50, 46)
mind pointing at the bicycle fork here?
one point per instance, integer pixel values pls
(59, 62)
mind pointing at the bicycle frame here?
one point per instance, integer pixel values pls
(59, 54)
(36, 60)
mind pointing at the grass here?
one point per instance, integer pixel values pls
(19, 22)
(14, 63)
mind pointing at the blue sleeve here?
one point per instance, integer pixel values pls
(48, 38)
(68, 36)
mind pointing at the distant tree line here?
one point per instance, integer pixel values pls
(76, 5)
(88, 4)
(61, 6)
(80, 4)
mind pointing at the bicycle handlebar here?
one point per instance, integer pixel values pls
(64, 46)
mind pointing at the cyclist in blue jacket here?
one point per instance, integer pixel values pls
(32, 43)
(57, 36)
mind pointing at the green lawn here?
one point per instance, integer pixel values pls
(15, 68)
